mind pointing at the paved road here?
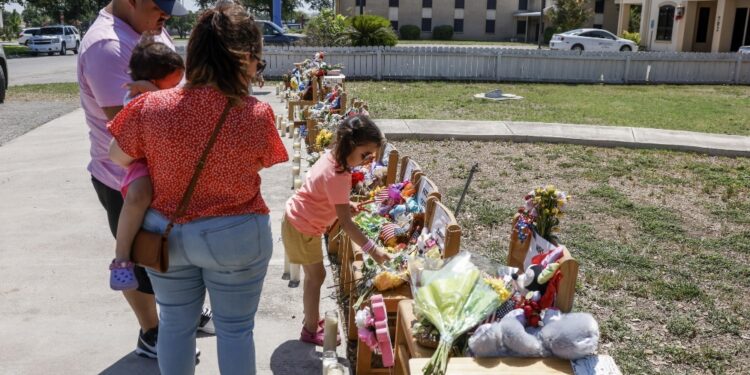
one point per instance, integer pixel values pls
(42, 69)
(48, 69)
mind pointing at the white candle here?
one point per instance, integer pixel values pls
(297, 183)
(335, 369)
(331, 330)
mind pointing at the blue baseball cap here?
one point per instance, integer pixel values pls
(171, 7)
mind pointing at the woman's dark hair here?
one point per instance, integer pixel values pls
(153, 60)
(352, 132)
(218, 48)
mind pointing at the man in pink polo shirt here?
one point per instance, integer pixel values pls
(102, 71)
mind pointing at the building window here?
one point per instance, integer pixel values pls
(598, 26)
(361, 2)
(599, 6)
(521, 27)
(458, 25)
(491, 4)
(523, 4)
(394, 25)
(426, 3)
(666, 21)
(489, 27)
(393, 3)
(459, 4)
(427, 24)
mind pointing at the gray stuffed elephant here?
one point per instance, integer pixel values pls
(569, 336)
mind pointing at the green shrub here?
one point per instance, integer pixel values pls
(548, 32)
(444, 32)
(371, 30)
(635, 37)
(409, 32)
(327, 29)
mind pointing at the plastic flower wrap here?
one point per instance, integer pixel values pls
(544, 208)
(370, 224)
(453, 299)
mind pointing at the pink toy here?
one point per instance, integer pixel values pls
(552, 256)
(381, 329)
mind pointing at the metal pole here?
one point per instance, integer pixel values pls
(361, 7)
(474, 169)
(276, 12)
(540, 35)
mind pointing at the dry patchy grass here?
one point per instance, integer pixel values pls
(662, 237)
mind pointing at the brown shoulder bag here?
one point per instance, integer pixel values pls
(150, 249)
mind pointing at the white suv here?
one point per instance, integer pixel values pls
(53, 39)
(26, 34)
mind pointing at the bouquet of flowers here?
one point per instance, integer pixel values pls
(454, 299)
(323, 139)
(544, 208)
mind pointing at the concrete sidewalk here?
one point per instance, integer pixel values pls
(57, 313)
(592, 135)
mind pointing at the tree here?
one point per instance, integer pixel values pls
(634, 23)
(569, 14)
(327, 29)
(34, 16)
(11, 25)
(301, 17)
(260, 8)
(183, 24)
(319, 4)
(74, 12)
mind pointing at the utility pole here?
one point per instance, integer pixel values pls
(540, 35)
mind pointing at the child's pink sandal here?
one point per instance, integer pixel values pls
(312, 337)
(121, 275)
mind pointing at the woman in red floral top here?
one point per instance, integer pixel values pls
(223, 241)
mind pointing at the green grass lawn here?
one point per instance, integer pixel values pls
(49, 91)
(664, 264)
(464, 42)
(11, 50)
(711, 109)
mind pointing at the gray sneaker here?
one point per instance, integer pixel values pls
(146, 346)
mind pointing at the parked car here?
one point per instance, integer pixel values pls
(745, 50)
(26, 34)
(591, 40)
(3, 74)
(273, 34)
(57, 38)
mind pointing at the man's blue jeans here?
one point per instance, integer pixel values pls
(228, 256)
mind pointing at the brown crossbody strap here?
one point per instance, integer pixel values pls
(198, 169)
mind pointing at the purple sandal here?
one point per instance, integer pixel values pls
(121, 275)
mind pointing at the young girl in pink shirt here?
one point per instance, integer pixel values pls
(323, 198)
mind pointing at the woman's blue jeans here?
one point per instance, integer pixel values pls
(228, 256)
